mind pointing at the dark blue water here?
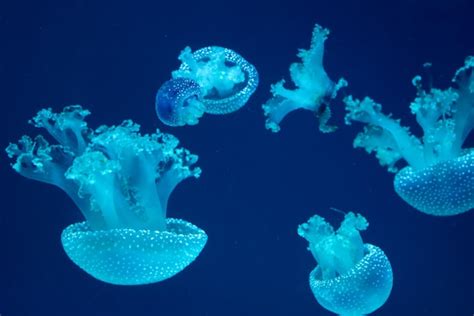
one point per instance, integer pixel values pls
(256, 186)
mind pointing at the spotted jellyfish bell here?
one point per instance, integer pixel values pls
(446, 188)
(131, 256)
(178, 102)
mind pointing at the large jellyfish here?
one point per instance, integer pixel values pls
(439, 178)
(313, 88)
(212, 80)
(121, 181)
(351, 278)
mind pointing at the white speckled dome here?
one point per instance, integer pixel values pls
(133, 257)
(360, 291)
(444, 189)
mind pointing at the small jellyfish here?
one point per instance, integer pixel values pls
(177, 102)
(121, 181)
(313, 88)
(439, 178)
(351, 278)
(224, 78)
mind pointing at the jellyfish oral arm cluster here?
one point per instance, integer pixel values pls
(351, 278)
(313, 89)
(213, 80)
(121, 181)
(439, 178)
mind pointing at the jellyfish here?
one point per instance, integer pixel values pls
(439, 176)
(212, 80)
(313, 88)
(121, 181)
(351, 278)
(177, 102)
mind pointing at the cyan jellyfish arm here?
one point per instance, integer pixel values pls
(314, 89)
(212, 73)
(336, 252)
(137, 172)
(178, 166)
(38, 160)
(464, 113)
(446, 117)
(383, 135)
(433, 110)
(121, 180)
(68, 128)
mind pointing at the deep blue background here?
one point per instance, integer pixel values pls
(256, 187)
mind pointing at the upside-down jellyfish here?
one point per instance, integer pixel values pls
(351, 278)
(439, 178)
(225, 80)
(121, 181)
(314, 90)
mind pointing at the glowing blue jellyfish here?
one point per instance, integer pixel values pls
(177, 102)
(121, 181)
(439, 178)
(314, 90)
(351, 278)
(212, 80)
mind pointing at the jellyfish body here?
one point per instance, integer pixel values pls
(225, 80)
(446, 188)
(177, 102)
(351, 278)
(121, 181)
(439, 178)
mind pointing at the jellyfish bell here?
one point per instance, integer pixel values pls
(443, 189)
(178, 102)
(361, 290)
(133, 256)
